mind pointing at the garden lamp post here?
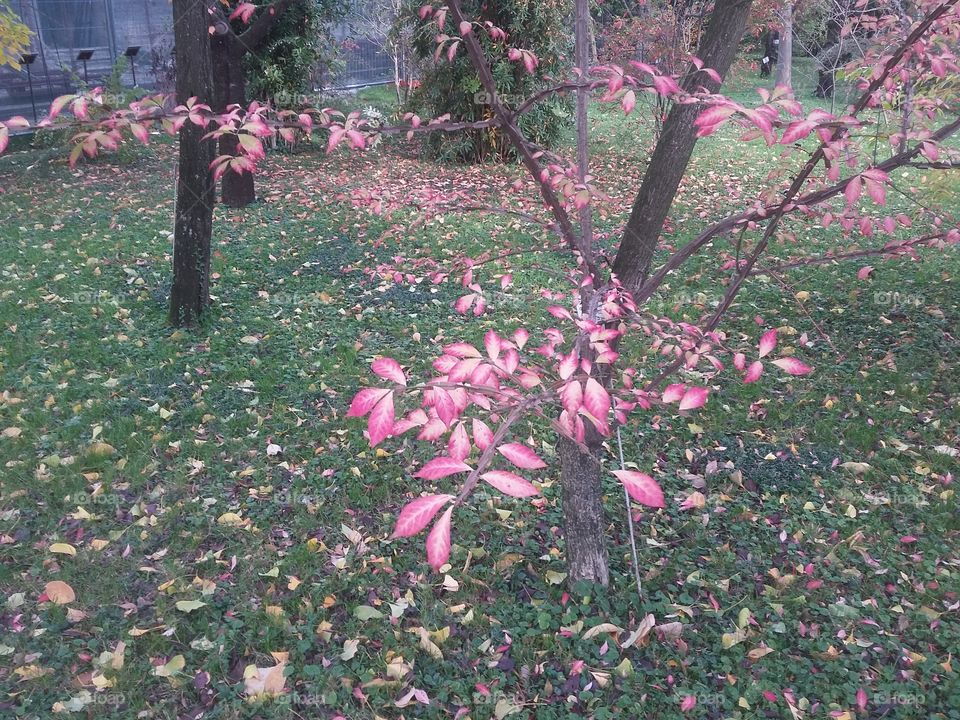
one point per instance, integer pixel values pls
(84, 56)
(29, 59)
(131, 53)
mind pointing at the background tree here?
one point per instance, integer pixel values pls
(190, 292)
(784, 76)
(449, 84)
(273, 46)
(14, 36)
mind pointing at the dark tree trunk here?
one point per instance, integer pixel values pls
(190, 293)
(670, 158)
(230, 88)
(583, 517)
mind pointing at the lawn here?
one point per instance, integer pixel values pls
(212, 509)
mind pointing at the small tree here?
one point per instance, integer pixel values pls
(584, 379)
(449, 85)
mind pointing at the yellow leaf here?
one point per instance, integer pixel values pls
(189, 606)
(11, 432)
(175, 665)
(63, 549)
(101, 449)
(602, 628)
(759, 652)
(264, 681)
(229, 518)
(59, 592)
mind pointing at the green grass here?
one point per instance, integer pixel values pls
(800, 549)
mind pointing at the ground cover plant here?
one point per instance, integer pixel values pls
(192, 525)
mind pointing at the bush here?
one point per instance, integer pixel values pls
(454, 88)
(298, 47)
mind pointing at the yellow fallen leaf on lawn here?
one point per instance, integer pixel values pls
(63, 549)
(268, 681)
(759, 652)
(59, 592)
(189, 606)
(11, 432)
(172, 667)
(229, 518)
(101, 449)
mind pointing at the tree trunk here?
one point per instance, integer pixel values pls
(190, 292)
(670, 158)
(785, 56)
(230, 88)
(583, 518)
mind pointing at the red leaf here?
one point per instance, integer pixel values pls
(438, 541)
(641, 487)
(416, 515)
(459, 444)
(482, 435)
(793, 366)
(389, 369)
(852, 191)
(365, 400)
(510, 484)
(441, 467)
(768, 342)
(596, 400)
(674, 392)
(521, 456)
(753, 372)
(382, 419)
(694, 398)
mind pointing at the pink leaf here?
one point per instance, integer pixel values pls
(694, 398)
(441, 467)
(482, 435)
(739, 361)
(793, 366)
(416, 515)
(753, 372)
(438, 541)
(861, 699)
(444, 405)
(459, 443)
(852, 191)
(389, 369)
(641, 487)
(672, 393)
(864, 272)
(688, 703)
(596, 400)
(365, 400)
(521, 456)
(520, 337)
(628, 101)
(244, 11)
(768, 342)
(510, 484)
(465, 27)
(382, 419)
(571, 397)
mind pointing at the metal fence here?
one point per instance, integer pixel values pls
(80, 42)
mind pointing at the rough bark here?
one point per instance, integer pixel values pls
(190, 292)
(785, 60)
(579, 470)
(670, 158)
(583, 517)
